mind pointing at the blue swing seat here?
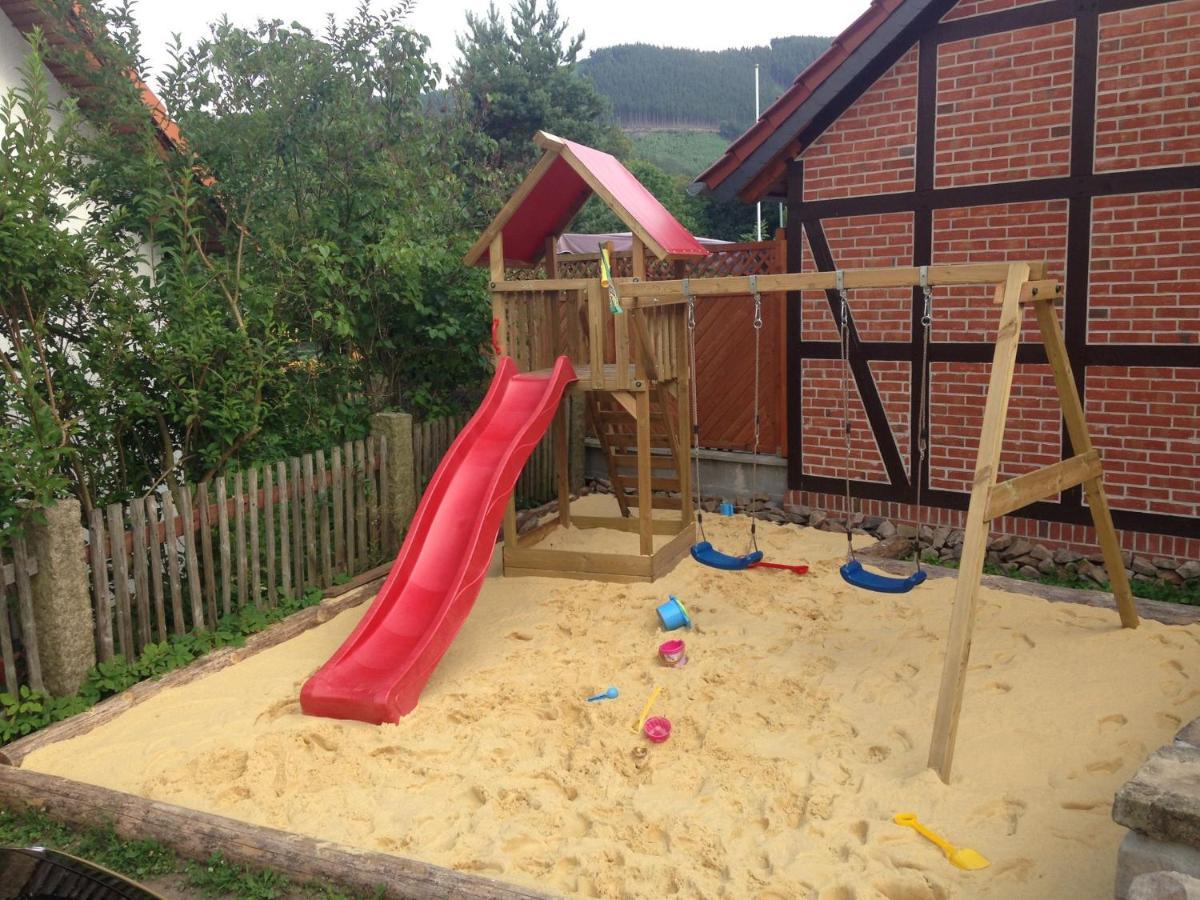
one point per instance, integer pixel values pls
(853, 573)
(704, 554)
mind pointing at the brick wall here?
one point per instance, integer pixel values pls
(1004, 106)
(1145, 268)
(1004, 111)
(1147, 82)
(869, 150)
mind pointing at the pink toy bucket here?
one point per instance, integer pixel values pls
(657, 728)
(673, 653)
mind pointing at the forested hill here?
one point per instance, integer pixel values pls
(665, 87)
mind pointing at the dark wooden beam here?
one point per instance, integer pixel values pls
(860, 368)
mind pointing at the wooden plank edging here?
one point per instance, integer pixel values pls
(12, 754)
(196, 835)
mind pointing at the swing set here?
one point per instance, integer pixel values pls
(634, 354)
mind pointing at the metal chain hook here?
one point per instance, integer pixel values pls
(927, 293)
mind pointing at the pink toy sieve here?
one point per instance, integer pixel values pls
(673, 653)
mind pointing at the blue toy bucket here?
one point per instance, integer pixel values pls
(673, 614)
(725, 509)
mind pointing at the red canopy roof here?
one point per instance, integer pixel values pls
(556, 189)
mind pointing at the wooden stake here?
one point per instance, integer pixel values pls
(100, 595)
(269, 521)
(223, 541)
(206, 555)
(156, 566)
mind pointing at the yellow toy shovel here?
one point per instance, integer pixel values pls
(962, 857)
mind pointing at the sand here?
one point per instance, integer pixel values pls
(801, 726)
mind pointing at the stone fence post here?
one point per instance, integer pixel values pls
(401, 501)
(62, 604)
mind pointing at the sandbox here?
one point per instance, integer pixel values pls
(801, 726)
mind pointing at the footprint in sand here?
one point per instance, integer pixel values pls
(1107, 766)
(999, 687)
(878, 753)
(1085, 805)
(1167, 720)
(277, 709)
(1111, 723)
(860, 830)
(1025, 639)
(1176, 666)
(1006, 809)
(902, 738)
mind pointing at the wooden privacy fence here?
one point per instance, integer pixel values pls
(432, 438)
(180, 559)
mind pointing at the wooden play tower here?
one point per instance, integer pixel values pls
(632, 366)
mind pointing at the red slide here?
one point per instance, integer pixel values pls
(378, 673)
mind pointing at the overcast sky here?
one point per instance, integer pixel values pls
(702, 24)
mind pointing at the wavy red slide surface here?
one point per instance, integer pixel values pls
(378, 673)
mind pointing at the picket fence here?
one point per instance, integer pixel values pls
(16, 591)
(179, 559)
(182, 557)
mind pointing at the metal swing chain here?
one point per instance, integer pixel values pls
(695, 403)
(844, 318)
(923, 414)
(758, 324)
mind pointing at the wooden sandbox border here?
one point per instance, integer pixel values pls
(196, 835)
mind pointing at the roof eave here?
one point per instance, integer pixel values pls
(750, 164)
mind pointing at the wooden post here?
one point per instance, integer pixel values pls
(620, 325)
(25, 606)
(223, 545)
(195, 582)
(239, 533)
(269, 522)
(252, 524)
(1081, 443)
(137, 523)
(285, 538)
(645, 498)
(120, 567)
(499, 311)
(683, 417)
(172, 549)
(206, 555)
(100, 595)
(562, 462)
(156, 565)
(966, 590)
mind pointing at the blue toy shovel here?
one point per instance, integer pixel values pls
(610, 694)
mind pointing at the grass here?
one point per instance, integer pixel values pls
(680, 152)
(1146, 590)
(144, 860)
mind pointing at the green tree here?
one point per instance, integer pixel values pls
(517, 77)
